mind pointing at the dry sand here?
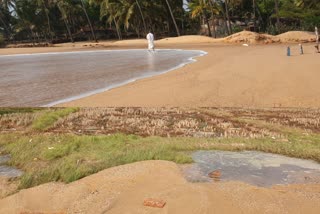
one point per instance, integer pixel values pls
(229, 75)
(123, 189)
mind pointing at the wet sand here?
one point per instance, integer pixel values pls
(230, 75)
(123, 189)
(53, 78)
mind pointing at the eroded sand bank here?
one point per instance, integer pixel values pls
(123, 190)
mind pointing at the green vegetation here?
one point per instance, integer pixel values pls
(66, 157)
(18, 110)
(49, 146)
(48, 118)
(73, 20)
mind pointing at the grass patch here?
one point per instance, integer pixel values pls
(47, 119)
(67, 157)
(4, 111)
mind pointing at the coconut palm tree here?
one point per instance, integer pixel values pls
(45, 7)
(226, 5)
(173, 19)
(142, 17)
(88, 19)
(276, 8)
(200, 8)
(6, 8)
(64, 7)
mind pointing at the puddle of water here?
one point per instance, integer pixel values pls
(256, 168)
(4, 159)
(7, 171)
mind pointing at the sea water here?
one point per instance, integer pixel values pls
(52, 78)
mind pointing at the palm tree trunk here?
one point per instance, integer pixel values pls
(144, 22)
(228, 17)
(214, 27)
(117, 28)
(213, 23)
(173, 19)
(254, 15)
(48, 20)
(226, 31)
(89, 22)
(207, 22)
(32, 36)
(68, 29)
(276, 7)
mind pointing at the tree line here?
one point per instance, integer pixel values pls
(72, 20)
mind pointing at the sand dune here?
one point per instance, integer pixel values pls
(256, 38)
(241, 37)
(297, 36)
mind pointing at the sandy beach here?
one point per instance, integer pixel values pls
(257, 75)
(230, 75)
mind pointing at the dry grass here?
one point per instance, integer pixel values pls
(68, 144)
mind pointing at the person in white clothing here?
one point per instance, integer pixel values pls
(150, 39)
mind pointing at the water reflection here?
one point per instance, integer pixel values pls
(7, 171)
(40, 79)
(257, 168)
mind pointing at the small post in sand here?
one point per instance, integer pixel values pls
(288, 51)
(317, 39)
(301, 49)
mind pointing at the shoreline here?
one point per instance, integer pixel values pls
(114, 86)
(214, 81)
(230, 75)
(148, 74)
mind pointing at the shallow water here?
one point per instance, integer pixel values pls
(7, 171)
(52, 78)
(256, 168)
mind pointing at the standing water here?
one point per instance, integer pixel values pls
(52, 78)
(7, 171)
(257, 168)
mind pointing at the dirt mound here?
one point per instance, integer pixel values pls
(297, 36)
(250, 38)
(256, 38)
